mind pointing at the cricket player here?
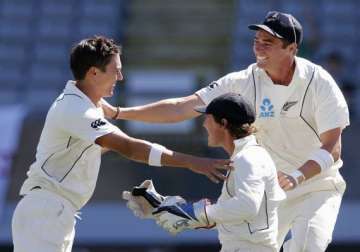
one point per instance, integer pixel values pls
(63, 177)
(245, 214)
(300, 115)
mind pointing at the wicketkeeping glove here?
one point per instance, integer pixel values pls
(144, 199)
(177, 217)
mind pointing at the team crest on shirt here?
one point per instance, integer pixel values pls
(266, 108)
(288, 105)
(97, 124)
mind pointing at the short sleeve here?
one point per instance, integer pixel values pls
(331, 108)
(236, 82)
(87, 124)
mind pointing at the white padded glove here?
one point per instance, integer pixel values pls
(179, 216)
(144, 199)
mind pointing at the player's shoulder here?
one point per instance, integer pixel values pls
(235, 76)
(252, 157)
(305, 68)
(256, 154)
(317, 72)
(69, 98)
(70, 104)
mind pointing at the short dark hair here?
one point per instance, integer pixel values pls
(237, 131)
(95, 51)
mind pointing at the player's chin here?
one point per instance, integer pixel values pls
(261, 65)
(110, 92)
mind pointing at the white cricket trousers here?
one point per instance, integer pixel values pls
(311, 218)
(244, 246)
(43, 222)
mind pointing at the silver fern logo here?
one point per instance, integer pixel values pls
(288, 105)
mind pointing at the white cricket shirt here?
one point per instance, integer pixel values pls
(290, 118)
(67, 158)
(247, 207)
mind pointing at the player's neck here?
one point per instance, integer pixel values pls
(89, 91)
(283, 74)
(228, 144)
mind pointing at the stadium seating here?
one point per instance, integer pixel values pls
(36, 38)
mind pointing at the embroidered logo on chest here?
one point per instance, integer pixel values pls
(288, 105)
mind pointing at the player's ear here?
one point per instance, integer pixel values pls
(224, 122)
(93, 70)
(293, 48)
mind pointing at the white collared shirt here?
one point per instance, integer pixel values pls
(67, 158)
(289, 119)
(247, 207)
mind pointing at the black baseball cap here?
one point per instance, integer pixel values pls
(281, 25)
(233, 107)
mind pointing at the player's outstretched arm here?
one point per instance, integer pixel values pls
(164, 111)
(157, 155)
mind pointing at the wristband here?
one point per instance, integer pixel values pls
(155, 154)
(296, 175)
(324, 159)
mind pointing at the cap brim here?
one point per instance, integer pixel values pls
(200, 109)
(265, 28)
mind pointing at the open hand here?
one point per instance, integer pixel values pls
(212, 168)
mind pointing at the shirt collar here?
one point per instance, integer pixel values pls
(300, 68)
(72, 89)
(299, 73)
(241, 143)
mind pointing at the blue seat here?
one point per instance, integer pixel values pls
(18, 8)
(13, 52)
(63, 8)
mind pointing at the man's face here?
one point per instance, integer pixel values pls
(215, 131)
(269, 51)
(106, 81)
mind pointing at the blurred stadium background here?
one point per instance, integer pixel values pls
(170, 48)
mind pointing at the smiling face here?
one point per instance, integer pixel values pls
(270, 52)
(106, 80)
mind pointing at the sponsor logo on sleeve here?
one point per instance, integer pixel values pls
(212, 85)
(266, 108)
(97, 124)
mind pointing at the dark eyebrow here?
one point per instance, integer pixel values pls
(265, 40)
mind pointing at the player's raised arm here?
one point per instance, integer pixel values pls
(157, 155)
(164, 111)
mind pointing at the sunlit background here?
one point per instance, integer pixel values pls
(170, 49)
